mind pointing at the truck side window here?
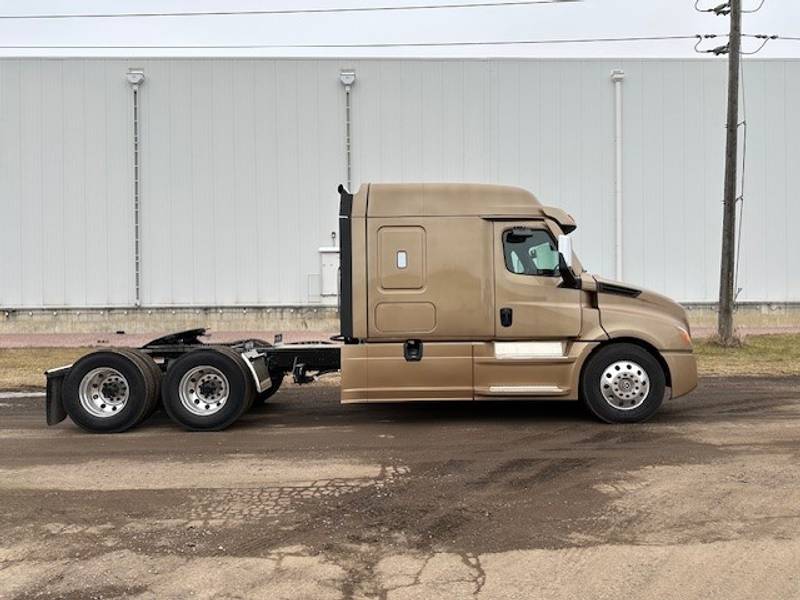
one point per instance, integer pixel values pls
(530, 252)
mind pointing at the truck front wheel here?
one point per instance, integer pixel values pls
(208, 389)
(623, 383)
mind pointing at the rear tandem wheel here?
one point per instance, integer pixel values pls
(110, 391)
(207, 389)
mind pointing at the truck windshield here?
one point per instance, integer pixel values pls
(530, 252)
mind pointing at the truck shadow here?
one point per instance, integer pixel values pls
(717, 399)
(471, 411)
(282, 412)
(289, 406)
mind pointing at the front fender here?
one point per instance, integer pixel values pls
(622, 317)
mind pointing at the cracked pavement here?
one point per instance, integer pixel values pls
(310, 499)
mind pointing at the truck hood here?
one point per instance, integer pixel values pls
(659, 302)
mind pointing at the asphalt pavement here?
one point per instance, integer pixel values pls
(306, 498)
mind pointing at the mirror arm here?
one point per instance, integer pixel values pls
(567, 276)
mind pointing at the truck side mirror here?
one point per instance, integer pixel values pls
(565, 263)
(565, 249)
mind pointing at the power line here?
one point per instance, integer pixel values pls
(721, 9)
(725, 8)
(763, 37)
(289, 11)
(755, 10)
(710, 36)
(364, 45)
(724, 49)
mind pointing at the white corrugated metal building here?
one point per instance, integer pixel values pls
(240, 159)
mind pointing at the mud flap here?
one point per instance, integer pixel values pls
(54, 407)
(257, 365)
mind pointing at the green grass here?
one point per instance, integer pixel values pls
(777, 354)
(23, 368)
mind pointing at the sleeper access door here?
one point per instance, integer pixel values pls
(429, 296)
(530, 303)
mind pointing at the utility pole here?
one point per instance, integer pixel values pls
(725, 331)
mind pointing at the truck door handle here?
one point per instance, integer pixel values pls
(412, 350)
(506, 317)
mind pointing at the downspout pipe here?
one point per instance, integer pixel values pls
(348, 77)
(135, 79)
(617, 76)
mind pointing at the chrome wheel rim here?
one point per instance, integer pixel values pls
(625, 385)
(204, 390)
(104, 392)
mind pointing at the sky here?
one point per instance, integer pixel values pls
(589, 18)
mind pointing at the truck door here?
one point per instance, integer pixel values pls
(529, 302)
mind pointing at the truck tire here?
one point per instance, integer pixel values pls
(155, 372)
(108, 391)
(623, 383)
(276, 380)
(207, 389)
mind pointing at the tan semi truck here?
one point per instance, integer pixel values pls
(447, 292)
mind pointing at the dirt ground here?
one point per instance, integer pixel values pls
(309, 499)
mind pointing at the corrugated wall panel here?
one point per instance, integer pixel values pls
(242, 162)
(269, 251)
(202, 222)
(712, 164)
(241, 157)
(64, 185)
(791, 205)
(770, 195)
(11, 199)
(693, 170)
(75, 258)
(31, 171)
(672, 172)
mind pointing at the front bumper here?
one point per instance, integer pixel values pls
(682, 372)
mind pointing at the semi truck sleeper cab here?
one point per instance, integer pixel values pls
(447, 292)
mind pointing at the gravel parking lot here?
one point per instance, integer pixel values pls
(309, 499)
